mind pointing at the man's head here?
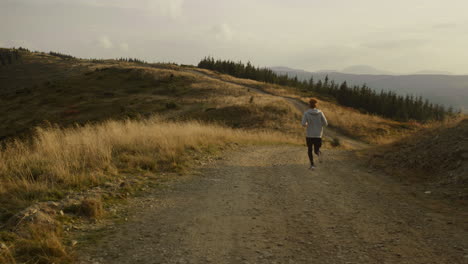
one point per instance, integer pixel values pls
(313, 103)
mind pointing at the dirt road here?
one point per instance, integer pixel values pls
(262, 205)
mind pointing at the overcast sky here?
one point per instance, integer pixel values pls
(401, 36)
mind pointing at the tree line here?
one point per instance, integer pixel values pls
(363, 98)
(8, 57)
(61, 55)
(135, 60)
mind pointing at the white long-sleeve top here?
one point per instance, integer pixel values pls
(315, 121)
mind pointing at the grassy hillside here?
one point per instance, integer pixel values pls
(48, 88)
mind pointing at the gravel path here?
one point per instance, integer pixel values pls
(262, 205)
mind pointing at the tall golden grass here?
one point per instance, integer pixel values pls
(6, 257)
(42, 246)
(370, 128)
(86, 155)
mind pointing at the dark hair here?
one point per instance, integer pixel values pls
(313, 102)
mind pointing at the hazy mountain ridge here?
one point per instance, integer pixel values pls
(365, 69)
(450, 90)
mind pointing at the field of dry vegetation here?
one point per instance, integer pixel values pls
(85, 123)
(61, 160)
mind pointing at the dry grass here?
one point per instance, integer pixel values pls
(251, 111)
(6, 257)
(34, 243)
(369, 128)
(89, 207)
(43, 246)
(82, 156)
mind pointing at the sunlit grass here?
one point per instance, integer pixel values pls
(87, 155)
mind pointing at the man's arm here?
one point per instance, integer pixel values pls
(324, 120)
(304, 120)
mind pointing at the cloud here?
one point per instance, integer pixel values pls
(105, 42)
(222, 32)
(123, 46)
(394, 44)
(329, 56)
(445, 26)
(169, 8)
(18, 43)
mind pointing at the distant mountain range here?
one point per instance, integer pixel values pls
(365, 69)
(449, 90)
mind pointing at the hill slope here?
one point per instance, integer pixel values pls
(64, 92)
(438, 157)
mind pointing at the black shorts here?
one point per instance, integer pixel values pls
(315, 142)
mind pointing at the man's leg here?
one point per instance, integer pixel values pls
(317, 145)
(309, 142)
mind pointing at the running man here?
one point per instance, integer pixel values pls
(314, 120)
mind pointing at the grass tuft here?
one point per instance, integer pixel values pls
(89, 207)
(6, 257)
(43, 247)
(336, 142)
